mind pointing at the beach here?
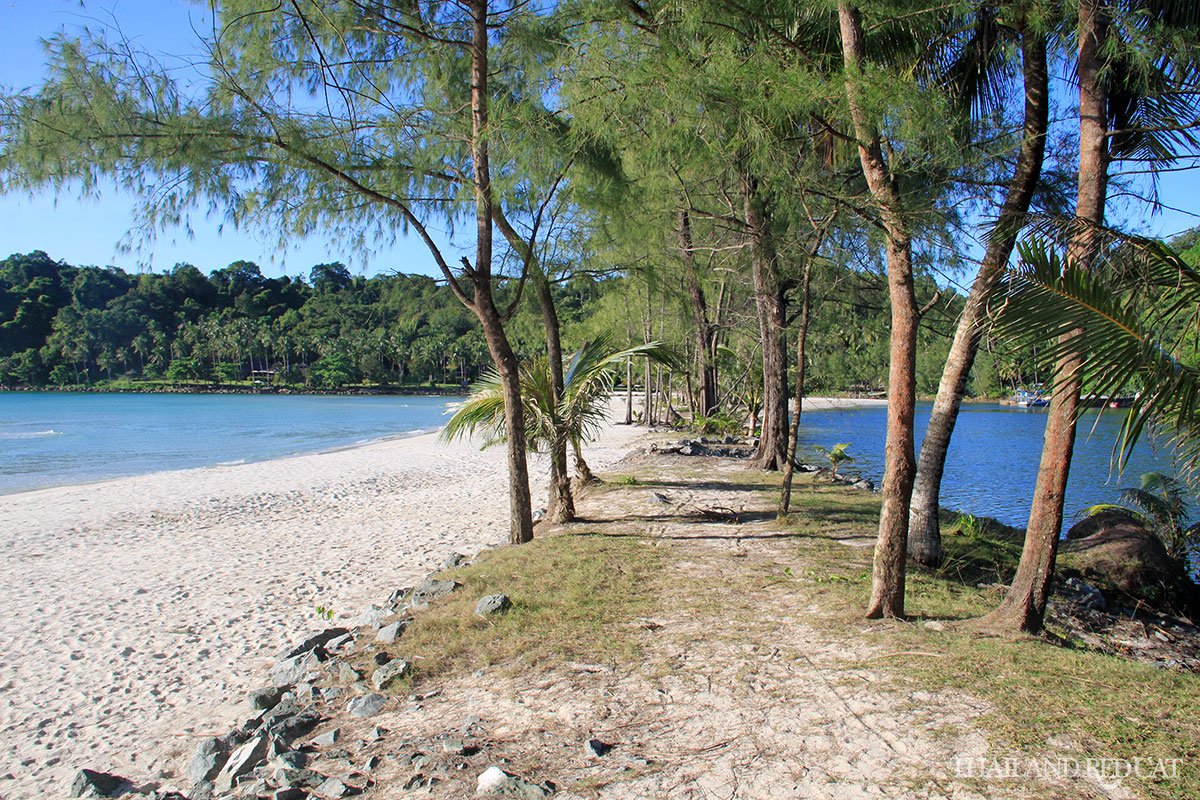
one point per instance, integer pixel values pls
(139, 611)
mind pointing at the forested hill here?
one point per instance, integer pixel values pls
(62, 325)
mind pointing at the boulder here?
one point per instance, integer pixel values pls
(207, 761)
(495, 782)
(319, 639)
(295, 669)
(431, 589)
(373, 617)
(268, 698)
(390, 633)
(387, 674)
(90, 783)
(492, 604)
(366, 706)
(244, 759)
(1116, 553)
(454, 560)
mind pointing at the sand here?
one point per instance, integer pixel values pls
(138, 612)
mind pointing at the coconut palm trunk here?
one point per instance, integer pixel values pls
(887, 587)
(924, 535)
(1023, 609)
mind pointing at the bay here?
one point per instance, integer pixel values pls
(57, 438)
(992, 465)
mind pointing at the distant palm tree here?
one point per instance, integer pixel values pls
(1161, 504)
(577, 416)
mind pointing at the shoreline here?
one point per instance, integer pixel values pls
(142, 609)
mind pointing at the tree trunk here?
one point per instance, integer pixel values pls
(561, 507)
(887, 589)
(924, 534)
(772, 320)
(1024, 608)
(629, 391)
(582, 470)
(706, 397)
(789, 467)
(521, 517)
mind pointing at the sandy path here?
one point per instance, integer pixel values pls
(137, 612)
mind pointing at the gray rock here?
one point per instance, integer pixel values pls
(431, 589)
(454, 560)
(328, 737)
(268, 698)
(290, 793)
(293, 759)
(90, 783)
(373, 617)
(337, 644)
(397, 596)
(454, 747)
(314, 641)
(297, 777)
(492, 604)
(390, 633)
(211, 754)
(387, 674)
(331, 693)
(244, 759)
(295, 669)
(863, 484)
(341, 671)
(332, 788)
(496, 782)
(201, 791)
(366, 706)
(294, 724)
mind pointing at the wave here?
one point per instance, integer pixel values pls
(29, 434)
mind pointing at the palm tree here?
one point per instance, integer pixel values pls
(1161, 504)
(1075, 309)
(553, 419)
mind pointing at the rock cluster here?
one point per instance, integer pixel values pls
(279, 751)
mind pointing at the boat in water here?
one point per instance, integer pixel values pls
(1027, 398)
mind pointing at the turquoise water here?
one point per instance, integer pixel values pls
(992, 464)
(52, 439)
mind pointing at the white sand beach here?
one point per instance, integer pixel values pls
(138, 612)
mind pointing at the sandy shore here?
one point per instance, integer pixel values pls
(139, 611)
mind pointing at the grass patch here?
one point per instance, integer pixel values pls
(572, 596)
(1098, 705)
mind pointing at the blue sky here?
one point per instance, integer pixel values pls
(90, 231)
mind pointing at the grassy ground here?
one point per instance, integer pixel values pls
(589, 592)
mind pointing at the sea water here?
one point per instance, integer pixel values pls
(57, 438)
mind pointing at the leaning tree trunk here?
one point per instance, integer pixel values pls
(772, 320)
(789, 467)
(924, 531)
(1024, 607)
(521, 518)
(561, 507)
(706, 398)
(887, 588)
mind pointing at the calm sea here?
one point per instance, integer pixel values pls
(52, 439)
(992, 465)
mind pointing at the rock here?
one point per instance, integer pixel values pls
(539, 515)
(431, 589)
(211, 754)
(1084, 595)
(387, 674)
(373, 617)
(90, 783)
(331, 788)
(390, 633)
(343, 672)
(293, 759)
(492, 604)
(1121, 555)
(201, 791)
(314, 641)
(244, 759)
(295, 669)
(381, 658)
(294, 724)
(454, 560)
(290, 793)
(268, 698)
(495, 781)
(366, 706)
(397, 596)
(454, 747)
(863, 484)
(596, 748)
(328, 737)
